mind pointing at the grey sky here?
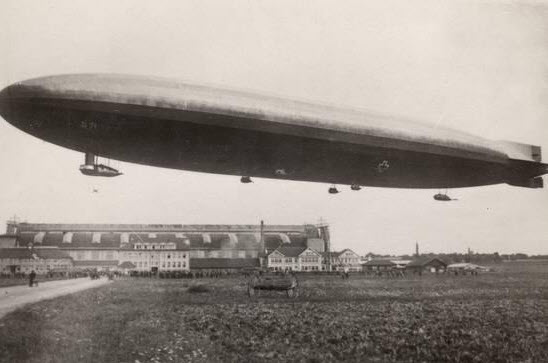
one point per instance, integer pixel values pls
(476, 66)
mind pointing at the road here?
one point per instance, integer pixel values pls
(14, 297)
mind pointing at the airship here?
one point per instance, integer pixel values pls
(173, 124)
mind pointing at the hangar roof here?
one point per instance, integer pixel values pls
(135, 228)
(114, 236)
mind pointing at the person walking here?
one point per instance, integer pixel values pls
(32, 276)
(345, 272)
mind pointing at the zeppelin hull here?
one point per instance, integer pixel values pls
(189, 143)
(229, 140)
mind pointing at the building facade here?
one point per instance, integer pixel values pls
(42, 261)
(345, 260)
(310, 260)
(294, 259)
(156, 257)
(378, 265)
(426, 264)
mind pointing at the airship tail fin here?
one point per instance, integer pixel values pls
(518, 151)
(526, 161)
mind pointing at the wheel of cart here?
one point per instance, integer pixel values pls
(293, 290)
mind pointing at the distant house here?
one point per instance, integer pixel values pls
(344, 260)
(465, 267)
(378, 265)
(294, 259)
(426, 264)
(41, 260)
(126, 266)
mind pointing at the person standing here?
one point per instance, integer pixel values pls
(32, 276)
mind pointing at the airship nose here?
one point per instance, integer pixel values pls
(13, 106)
(5, 103)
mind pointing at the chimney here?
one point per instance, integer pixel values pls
(11, 225)
(417, 249)
(262, 250)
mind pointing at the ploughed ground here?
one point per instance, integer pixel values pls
(498, 316)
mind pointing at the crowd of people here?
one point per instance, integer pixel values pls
(178, 274)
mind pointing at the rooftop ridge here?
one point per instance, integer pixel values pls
(113, 227)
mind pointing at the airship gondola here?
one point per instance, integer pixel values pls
(443, 197)
(93, 168)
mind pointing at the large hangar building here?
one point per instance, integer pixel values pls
(165, 247)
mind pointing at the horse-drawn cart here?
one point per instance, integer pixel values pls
(273, 282)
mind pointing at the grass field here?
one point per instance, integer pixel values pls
(495, 317)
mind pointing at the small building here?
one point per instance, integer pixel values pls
(465, 267)
(345, 260)
(41, 260)
(427, 264)
(294, 259)
(378, 265)
(126, 266)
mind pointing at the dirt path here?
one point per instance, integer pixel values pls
(14, 297)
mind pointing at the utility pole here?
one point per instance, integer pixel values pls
(261, 245)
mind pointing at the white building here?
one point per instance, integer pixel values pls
(345, 260)
(25, 260)
(155, 257)
(294, 259)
